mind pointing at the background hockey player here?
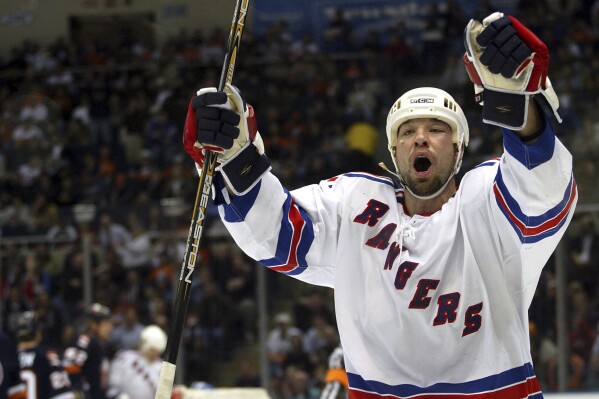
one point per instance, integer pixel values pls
(432, 282)
(86, 360)
(336, 377)
(11, 385)
(134, 373)
(41, 368)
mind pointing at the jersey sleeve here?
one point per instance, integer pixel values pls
(534, 195)
(291, 232)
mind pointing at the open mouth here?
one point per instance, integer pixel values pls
(422, 164)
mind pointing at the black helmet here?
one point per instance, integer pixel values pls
(27, 326)
(97, 312)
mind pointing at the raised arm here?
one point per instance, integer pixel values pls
(509, 66)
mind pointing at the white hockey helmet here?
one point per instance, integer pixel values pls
(152, 337)
(428, 102)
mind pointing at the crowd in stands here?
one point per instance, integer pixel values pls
(82, 125)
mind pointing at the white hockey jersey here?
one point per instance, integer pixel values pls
(428, 306)
(133, 374)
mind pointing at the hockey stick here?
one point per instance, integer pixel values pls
(167, 371)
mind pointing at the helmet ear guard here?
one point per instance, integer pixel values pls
(428, 102)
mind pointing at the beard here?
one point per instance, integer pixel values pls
(426, 188)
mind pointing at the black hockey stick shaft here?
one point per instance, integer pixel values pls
(167, 371)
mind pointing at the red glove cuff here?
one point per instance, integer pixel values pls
(540, 58)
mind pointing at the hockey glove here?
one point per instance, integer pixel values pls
(222, 122)
(508, 64)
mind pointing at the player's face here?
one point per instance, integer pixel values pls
(425, 154)
(104, 329)
(152, 354)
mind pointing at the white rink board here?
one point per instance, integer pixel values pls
(574, 395)
(225, 393)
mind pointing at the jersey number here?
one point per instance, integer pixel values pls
(30, 380)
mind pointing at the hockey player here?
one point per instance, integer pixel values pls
(336, 377)
(11, 385)
(41, 368)
(86, 360)
(432, 282)
(134, 373)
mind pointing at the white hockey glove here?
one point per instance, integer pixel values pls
(508, 64)
(222, 122)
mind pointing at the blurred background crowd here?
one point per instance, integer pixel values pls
(84, 125)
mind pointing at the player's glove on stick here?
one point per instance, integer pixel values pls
(508, 64)
(222, 122)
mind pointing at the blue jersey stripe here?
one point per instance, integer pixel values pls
(490, 162)
(530, 154)
(496, 382)
(378, 179)
(240, 205)
(304, 234)
(532, 229)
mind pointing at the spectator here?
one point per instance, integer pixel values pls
(215, 312)
(62, 230)
(361, 140)
(112, 234)
(127, 331)
(338, 36)
(50, 318)
(160, 134)
(246, 375)
(13, 306)
(71, 283)
(35, 279)
(593, 372)
(581, 332)
(240, 287)
(106, 283)
(575, 373)
(310, 303)
(278, 343)
(298, 385)
(316, 337)
(135, 251)
(97, 90)
(434, 45)
(584, 254)
(34, 108)
(28, 131)
(297, 357)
